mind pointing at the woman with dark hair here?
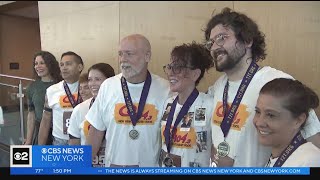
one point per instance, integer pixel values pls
(181, 144)
(282, 109)
(46, 73)
(79, 127)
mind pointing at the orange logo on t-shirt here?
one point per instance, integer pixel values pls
(64, 101)
(240, 117)
(149, 114)
(86, 127)
(182, 139)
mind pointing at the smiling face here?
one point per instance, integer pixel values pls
(85, 91)
(275, 125)
(179, 76)
(96, 78)
(41, 67)
(229, 52)
(134, 55)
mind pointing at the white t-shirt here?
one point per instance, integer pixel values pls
(77, 119)
(61, 107)
(242, 138)
(109, 113)
(306, 155)
(192, 142)
(79, 128)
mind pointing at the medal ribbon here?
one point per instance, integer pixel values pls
(143, 98)
(70, 96)
(92, 101)
(184, 110)
(297, 141)
(229, 114)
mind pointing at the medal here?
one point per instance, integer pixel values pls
(168, 162)
(134, 134)
(135, 116)
(223, 149)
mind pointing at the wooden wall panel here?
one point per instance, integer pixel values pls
(292, 37)
(168, 24)
(91, 29)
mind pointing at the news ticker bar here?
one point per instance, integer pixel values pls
(159, 171)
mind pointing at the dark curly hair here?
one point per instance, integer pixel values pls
(51, 63)
(298, 98)
(245, 29)
(193, 55)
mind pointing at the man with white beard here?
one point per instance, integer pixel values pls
(127, 109)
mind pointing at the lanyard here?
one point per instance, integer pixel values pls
(297, 141)
(143, 98)
(91, 102)
(184, 110)
(70, 96)
(229, 114)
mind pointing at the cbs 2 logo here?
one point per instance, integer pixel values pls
(21, 156)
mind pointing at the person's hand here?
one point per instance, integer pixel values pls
(26, 142)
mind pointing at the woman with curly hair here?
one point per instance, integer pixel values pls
(46, 73)
(186, 138)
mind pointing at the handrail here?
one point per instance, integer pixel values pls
(20, 95)
(9, 85)
(4, 147)
(13, 86)
(16, 77)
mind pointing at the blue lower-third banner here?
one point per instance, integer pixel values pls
(160, 171)
(50, 156)
(77, 160)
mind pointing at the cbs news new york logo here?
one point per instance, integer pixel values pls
(20, 156)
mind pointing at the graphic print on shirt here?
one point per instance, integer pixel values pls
(187, 121)
(185, 136)
(149, 114)
(66, 121)
(166, 112)
(200, 116)
(240, 117)
(86, 127)
(201, 141)
(64, 101)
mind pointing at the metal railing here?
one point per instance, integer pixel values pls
(20, 95)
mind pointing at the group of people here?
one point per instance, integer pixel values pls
(251, 117)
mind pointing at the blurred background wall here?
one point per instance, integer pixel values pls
(93, 30)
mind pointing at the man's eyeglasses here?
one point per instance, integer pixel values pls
(126, 53)
(219, 40)
(176, 69)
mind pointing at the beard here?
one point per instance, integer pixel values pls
(128, 71)
(231, 59)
